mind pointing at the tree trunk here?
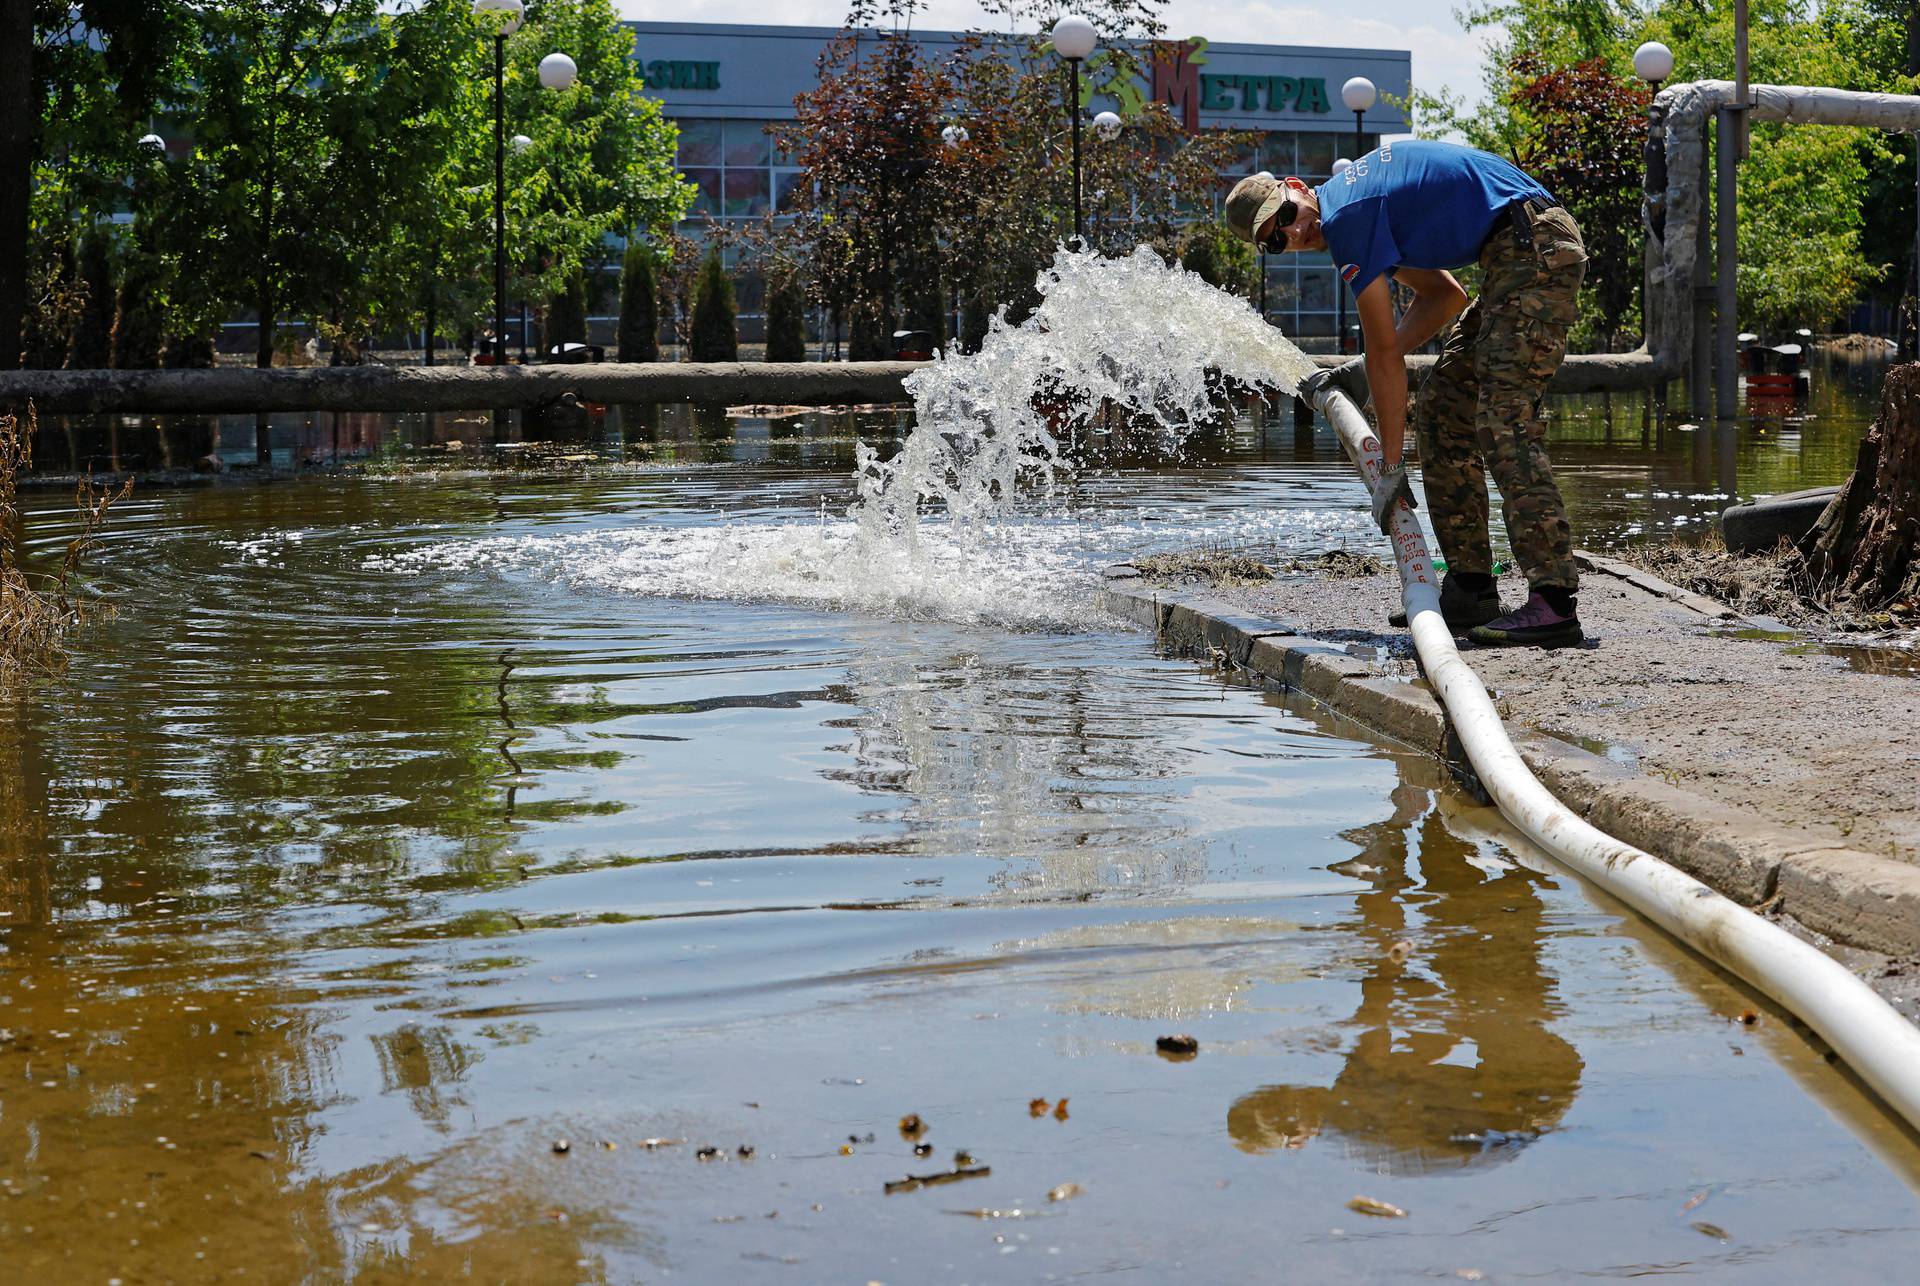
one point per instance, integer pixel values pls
(16, 171)
(1861, 552)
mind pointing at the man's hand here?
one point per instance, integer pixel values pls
(1350, 377)
(1392, 487)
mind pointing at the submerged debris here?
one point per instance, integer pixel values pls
(911, 1126)
(915, 1181)
(1712, 1230)
(1214, 566)
(1065, 1192)
(1382, 1209)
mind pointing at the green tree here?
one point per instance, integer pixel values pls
(1219, 258)
(786, 317)
(639, 334)
(138, 330)
(1803, 191)
(93, 335)
(715, 337)
(565, 320)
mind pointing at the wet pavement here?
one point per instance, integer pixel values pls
(393, 833)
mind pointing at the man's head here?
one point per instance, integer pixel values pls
(1279, 214)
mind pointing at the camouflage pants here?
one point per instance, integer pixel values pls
(1480, 405)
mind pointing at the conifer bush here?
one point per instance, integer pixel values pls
(639, 334)
(787, 319)
(714, 337)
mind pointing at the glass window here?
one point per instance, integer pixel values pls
(787, 189)
(1313, 324)
(699, 143)
(1316, 289)
(1316, 156)
(746, 192)
(747, 143)
(708, 200)
(1276, 153)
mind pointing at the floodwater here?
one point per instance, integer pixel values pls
(404, 824)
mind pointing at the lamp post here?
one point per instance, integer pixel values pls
(1653, 63)
(1340, 166)
(1359, 95)
(504, 16)
(1074, 39)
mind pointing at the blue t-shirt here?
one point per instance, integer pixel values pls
(1417, 204)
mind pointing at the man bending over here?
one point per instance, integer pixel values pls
(1411, 211)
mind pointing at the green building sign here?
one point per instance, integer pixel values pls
(676, 74)
(1263, 93)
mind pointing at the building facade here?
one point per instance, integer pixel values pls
(724, 85)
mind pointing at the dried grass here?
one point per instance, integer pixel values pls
(1773, 584)
(1222, 567)
(35, 620)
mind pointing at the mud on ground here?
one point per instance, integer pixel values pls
(1765, 721)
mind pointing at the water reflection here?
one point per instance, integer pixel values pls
(1453, 1061)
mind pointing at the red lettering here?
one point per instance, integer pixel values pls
(1176, 82)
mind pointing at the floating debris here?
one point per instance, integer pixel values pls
(913, 1181)
(1748, 1017)
(1382, 1209)
(1037, 1107)
(1065, 1192)
(1015, 1213)
(1060, 1110)
(1399, 952)
(651, 1144)
(911, 1126)
(846, 1149)
(745, 1153)
(562, 1147)
(709, 1154)
(962, 1159)
(923, 1149)
(1712, 1230)
(1178, 1047)
(608, 1145)
(1697, 1200)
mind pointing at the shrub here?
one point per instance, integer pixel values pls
(714, 337)
(787, 319)
(566, 319)
(639, 335)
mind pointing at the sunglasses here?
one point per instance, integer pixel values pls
(1282, 218)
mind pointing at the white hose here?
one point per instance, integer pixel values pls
(1882, 1047)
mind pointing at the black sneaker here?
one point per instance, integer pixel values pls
(1460, 607)
(1538, 624)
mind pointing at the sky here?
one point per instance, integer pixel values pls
(1443, 54)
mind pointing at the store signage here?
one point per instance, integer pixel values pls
(676, 74)
(1182, 86)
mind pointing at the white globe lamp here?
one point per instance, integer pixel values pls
(503, 16)
(1358, 94)
(1107, 125)
(557, 71)
(1074, 37)
(1653, 62)
(521, 142)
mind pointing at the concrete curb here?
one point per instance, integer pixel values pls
(1854, 898)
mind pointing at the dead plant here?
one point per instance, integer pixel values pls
(35, 620)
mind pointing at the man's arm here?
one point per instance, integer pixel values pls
(1437, 300)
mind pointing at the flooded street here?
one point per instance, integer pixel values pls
(521, 790)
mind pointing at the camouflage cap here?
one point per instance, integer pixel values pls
(1251, 203)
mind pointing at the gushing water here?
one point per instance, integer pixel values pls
(943, 529)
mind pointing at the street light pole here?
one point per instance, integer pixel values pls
(1359, 95)
(499, 199)
(1073, 39)
(503, 16)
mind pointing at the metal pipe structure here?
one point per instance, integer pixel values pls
(1726, 325)
(1073, 110)
(1700, 373)
(1880, 1045)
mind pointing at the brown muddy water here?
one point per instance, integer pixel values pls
(409, 822)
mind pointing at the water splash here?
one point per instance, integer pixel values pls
(947, 527)
(1132, 338)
